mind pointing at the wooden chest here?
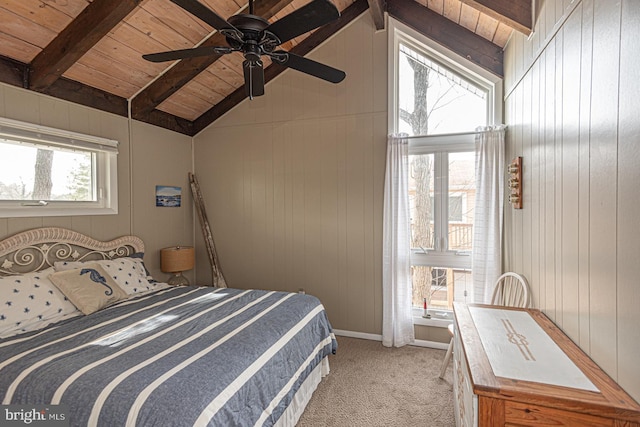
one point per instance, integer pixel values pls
(514, 367)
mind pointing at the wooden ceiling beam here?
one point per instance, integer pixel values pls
(87, 29)
(377, 9)
(518, 14)
(169, 121)
(82, 94)
(13, 72)
(304, 47)
(185, 70)
(448, 34)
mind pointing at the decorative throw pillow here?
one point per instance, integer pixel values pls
(140, 256)
(128, 273)
(89, 288)
(30, 301)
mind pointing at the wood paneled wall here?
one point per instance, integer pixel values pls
(572, 109)
(293, 182)
(161, 157)
(147, 156)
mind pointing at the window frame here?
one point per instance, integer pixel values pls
(105, 152)
(441, 252)
(438, 143)
(440, 256)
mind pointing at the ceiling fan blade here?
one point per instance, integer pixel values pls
(201, 11)
(253, 78)
(310, 67)
(172, 55)
(309, 17)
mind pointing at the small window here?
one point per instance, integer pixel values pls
(50, 172)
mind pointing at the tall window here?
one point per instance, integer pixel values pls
(439, 103)
(48, 172)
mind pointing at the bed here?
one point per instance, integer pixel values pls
(151, 354)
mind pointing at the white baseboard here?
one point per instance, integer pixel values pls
(431, 344)
(376, 337)
(362, 335)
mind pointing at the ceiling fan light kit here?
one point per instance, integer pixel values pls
(254, 37)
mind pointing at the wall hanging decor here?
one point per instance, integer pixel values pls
(514, 170)
(168, 196)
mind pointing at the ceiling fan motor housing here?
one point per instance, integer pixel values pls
(255, 41)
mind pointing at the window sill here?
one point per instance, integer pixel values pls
(26, 212)
(439, 318)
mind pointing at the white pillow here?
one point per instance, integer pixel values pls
(30, 301)
(128, 273)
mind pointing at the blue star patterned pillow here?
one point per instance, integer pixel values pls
(32, 303)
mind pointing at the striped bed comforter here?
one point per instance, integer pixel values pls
(181, 356)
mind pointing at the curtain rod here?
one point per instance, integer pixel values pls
(452, 134)
(441, 134)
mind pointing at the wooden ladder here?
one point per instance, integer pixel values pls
(216, 272)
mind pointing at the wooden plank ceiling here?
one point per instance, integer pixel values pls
(90, 52)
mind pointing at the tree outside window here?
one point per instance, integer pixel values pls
(52, 172)
(435, 100)
(47, 174)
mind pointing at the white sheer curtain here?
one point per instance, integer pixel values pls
(397, 319)
(486, 262)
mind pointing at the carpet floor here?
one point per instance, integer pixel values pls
(372, 385)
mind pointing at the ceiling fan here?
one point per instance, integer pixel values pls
(254, 37)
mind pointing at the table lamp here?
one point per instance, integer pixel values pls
(175, 260)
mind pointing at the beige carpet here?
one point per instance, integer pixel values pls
(371, 385)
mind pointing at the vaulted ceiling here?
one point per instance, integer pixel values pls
(90, 51)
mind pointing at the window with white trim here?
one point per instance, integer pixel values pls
(51, 172)
(441, 184)
(439, 99)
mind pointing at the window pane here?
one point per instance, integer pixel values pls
(421, 186)
(441, 286)
(28, 172)
(433, 100)
(462, 194)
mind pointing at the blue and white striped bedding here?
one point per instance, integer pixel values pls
(181, 356)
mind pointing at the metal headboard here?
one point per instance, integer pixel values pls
(38, 249)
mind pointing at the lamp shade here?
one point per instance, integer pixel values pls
(177, 258)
